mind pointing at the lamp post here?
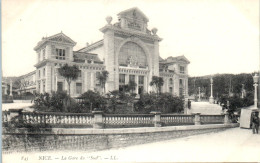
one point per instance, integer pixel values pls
(211, 98)
(255, 79)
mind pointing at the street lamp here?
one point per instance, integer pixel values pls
(255, 79)
(211, 98)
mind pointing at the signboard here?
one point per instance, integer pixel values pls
(245, 118)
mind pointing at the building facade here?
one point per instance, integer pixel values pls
(129, 51)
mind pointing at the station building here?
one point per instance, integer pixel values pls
(129, 51)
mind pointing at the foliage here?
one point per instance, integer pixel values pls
(165, 102)
(157, 82)
(102, 78)
(131, 86)
(54, 102)
(116, 99)
(223, 84)
(70, 73)
(92, 100)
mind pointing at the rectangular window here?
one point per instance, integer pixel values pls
(60, 54)
(132, 78)
(182, 70)
(43, 53)
(181, 82)
(43, 72)
(170, 89)
(140, 80)
(171, 81)
(43, 87)
(122, 79)
(39, 86)
(97, 78)
(60, 86)
(78, 88)
(39, 72)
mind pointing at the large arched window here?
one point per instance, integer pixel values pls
(133, 54)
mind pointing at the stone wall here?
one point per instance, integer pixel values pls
(99, 139)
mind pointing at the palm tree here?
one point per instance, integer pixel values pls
(157, 82)
(102, 77)
(69, 73)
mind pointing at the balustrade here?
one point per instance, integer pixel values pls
(99, 120)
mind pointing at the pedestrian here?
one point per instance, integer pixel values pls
(189, 104)
(255, 122)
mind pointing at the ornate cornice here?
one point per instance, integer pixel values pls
(130, 70)
(166, 74)
(130, 33)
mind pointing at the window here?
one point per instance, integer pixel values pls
(43, 53)
(78, 88)
(60, 54)
(43, 72)
(39, 72)
(97, 78)
(182, 70)
(43, 87)
(140, 80)
(181, 84)
(140, 89)
(132, 78)
(170, 89)
(181, 91)
(59, 86)
(171, 81)
(39, 86)
(122, 79)
(133, 51)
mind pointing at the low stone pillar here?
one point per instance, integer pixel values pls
(197, 119)
(156, 118)
(15, 115)
(226, 118)
(98, 120)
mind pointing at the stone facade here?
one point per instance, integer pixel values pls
(129, 51)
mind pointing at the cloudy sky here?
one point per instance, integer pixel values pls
(217, 36)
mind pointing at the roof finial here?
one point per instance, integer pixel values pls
(61, 31)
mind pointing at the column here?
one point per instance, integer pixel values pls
(145, 84)
(157, 118)
(136, 81)
(98, 120)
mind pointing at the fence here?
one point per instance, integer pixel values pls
(97, 119)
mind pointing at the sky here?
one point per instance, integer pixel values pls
(216, 36)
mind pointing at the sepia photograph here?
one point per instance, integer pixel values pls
(130, 81)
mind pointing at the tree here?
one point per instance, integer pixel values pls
(157, 82)
(70, 73)
(103, 79)
(132, 85)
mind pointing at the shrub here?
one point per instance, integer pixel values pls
(165, 102)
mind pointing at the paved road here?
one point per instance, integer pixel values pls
(230, 145)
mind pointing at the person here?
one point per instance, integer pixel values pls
(255, 122)
(189, 104)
